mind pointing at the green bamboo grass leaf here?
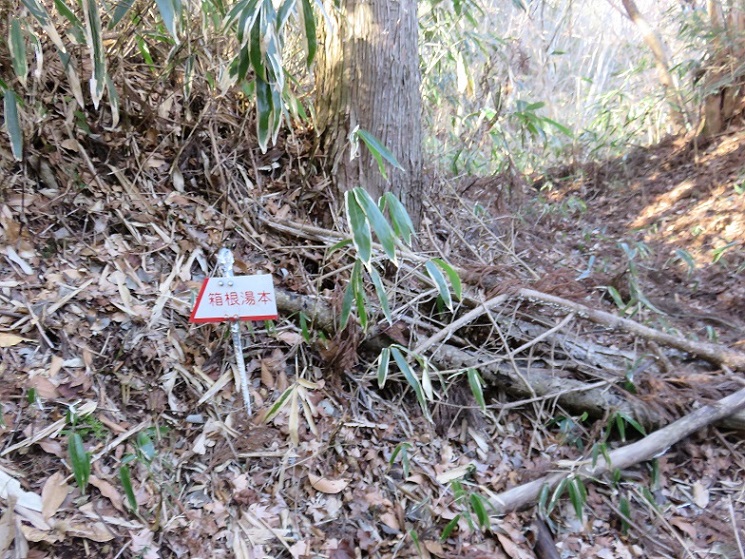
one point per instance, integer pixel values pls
(309, 26)
(378, 151)
(257, 57)
(280, 403)
(429, 392)
(337, 246)
(558, 492)
(577, 495)
(304, 330)
(617, 299)
(477, 505)
(378, 222)
(37, 10)
(346, 306)
(410, 377)
(449, 527)
(42, 16)
(560, 127)
(13, 124)
(264, 112)
(476, 384)
(359, 296)
(244, 15)
(276, 113)
(17, 46)
(126, 479)
(360, 227)
(625, 508)
(452, 275)
(145, 446)
(113, 101)
(94, 40)
(169, 11)
(382, 295)
(283, 14)
(400, 218)
(80, 461)
(383, 364)
(543, 500)
(121, 10)
(144, 49)
(70, 16)
(439, 280)
(403, 450)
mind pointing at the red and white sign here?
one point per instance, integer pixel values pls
(235, 298)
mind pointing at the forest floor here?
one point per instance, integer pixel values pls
(105, 242)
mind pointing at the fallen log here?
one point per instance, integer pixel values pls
(526, 495)
(598, 399)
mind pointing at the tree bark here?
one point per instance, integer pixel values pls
(723, 82)
(368, 77)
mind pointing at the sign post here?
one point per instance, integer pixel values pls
(234, 298)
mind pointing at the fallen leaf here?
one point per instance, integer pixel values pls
(94, 531)
(456, 473)
(7, 528)
(685, 527)
(389, 519)
(700, 495)
(11, 488)
(290, 338)
(325, 485)
(108, 491)
(53, 494)
(9, 340)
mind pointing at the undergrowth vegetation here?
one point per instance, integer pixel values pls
(415, 381)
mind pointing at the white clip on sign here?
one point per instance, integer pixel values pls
(235, 298)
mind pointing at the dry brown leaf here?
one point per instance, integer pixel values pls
(389, 519)
(434, 547)
(267, 379)
(510, 548)
(685, 527)
(290, 338)
(700, 495)
(325, 485)
(108, 491)
(7, 528)
(9, 340)
(33, 534)
(94, 531)
(53, 494)
(44, 388)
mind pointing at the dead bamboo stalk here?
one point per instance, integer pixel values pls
(652, 445)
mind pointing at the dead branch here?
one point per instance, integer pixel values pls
(652, 445)
(597, 399)
(714, 353)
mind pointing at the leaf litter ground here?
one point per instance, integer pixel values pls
(108, 234)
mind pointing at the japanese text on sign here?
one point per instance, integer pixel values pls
(235, 298)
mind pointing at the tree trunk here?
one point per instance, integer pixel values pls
(368, 77)
(724, 79)
(672, 93)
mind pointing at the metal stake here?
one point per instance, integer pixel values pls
(225, 261)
